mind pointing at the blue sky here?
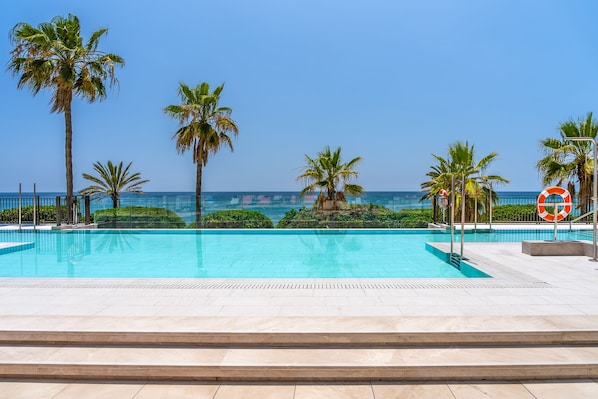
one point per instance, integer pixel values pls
(390, 81)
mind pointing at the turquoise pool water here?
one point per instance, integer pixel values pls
(236, 253)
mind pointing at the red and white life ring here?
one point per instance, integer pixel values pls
(443, 198)
(567, 204)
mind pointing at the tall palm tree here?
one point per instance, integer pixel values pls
(571, 162)
(460, 163)
(205, 127)
(53, 55)
(327, 174)
(112, 180)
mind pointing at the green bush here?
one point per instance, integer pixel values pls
(520, 213)
(235, 219)
(44, 214)
(138, 217)
(515, 213)
(357, 216)
(415, 218)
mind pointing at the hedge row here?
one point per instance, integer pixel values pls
(519, 213)
(44, 214)
(137, 217)
(358, 216)
(235, 219)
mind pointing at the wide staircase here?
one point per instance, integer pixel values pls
(299, 349)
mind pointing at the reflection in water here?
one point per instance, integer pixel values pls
(71, 247)
(200, 269)
(116, 240)
(330, 251)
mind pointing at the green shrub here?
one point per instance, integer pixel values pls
(515, 213)
(415, 218)
(138, 217)
(44, 214)
(357, 216)
(235, 219)
(520, 213)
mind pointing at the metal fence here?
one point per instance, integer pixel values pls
(176, 210)
(36, 210)
(510, 209)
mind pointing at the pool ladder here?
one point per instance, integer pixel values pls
(455, 260)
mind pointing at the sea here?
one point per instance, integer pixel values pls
(273, 204)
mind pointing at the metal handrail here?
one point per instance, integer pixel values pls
(578, 218)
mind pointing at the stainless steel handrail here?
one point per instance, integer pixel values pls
(578, 218)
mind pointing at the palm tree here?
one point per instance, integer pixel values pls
(328, 175)
(204, 128)
(460, 164)
(571, 162)
(113, 180)
(53, 55)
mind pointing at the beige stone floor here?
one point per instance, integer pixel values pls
(523, 286)
(583, 389)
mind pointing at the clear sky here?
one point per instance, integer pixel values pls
(392, 81)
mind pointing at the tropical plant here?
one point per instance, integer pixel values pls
(459, 165)
(571, 162)
(204, 128)
(43, 214)
(358, 216)
(138, 217)
(236, 219)
(53, 55)
(331, 177)
(112, 180)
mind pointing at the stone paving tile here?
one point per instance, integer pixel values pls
(254, 300)
(182, 301)
(298, 301)
(506, 390)
(357, 310)
(309, 311)
(241, 310)
(99, 391)
(575, 389)
(411, 391)
(30, 390)
(586, 389)
(255, 391)
(179, 391)
(354, 301)
(334, 391)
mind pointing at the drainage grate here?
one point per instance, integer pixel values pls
(275, 285)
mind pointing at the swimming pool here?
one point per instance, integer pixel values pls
(236, 253)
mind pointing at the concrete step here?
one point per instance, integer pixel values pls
(298, 339)
(300, 331)
(299, 349)
(252, 364)
(298, 364)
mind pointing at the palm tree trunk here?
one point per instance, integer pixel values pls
(198, 176)
(68, 151)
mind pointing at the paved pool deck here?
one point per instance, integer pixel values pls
(524, 288)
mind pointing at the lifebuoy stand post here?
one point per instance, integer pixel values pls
(556, 220)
